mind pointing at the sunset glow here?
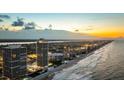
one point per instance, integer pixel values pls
(108, 25)
(107, 32)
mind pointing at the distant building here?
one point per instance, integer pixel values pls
(56, 57)
(42, 53)
(14, 62)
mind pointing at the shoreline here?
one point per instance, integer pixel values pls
(75, 61)
(50, 74)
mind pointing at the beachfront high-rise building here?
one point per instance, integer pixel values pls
(42, 53)
(14, 62)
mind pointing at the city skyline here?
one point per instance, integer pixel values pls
(96, 24)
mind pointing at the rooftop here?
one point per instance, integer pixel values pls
(13, 47)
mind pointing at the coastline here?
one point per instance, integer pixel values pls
(75, 61)
(50, 74)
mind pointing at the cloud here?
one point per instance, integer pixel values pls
(89, 28)
(18, 22)
(1, 20)
(5, 16)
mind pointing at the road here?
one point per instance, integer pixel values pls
(61, 67)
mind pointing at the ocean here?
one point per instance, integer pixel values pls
(106, 63)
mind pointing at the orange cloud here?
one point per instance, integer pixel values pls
(108, 34)
(112, 32)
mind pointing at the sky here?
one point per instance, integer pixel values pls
(96, 24)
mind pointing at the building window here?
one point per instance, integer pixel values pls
(14, 56)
